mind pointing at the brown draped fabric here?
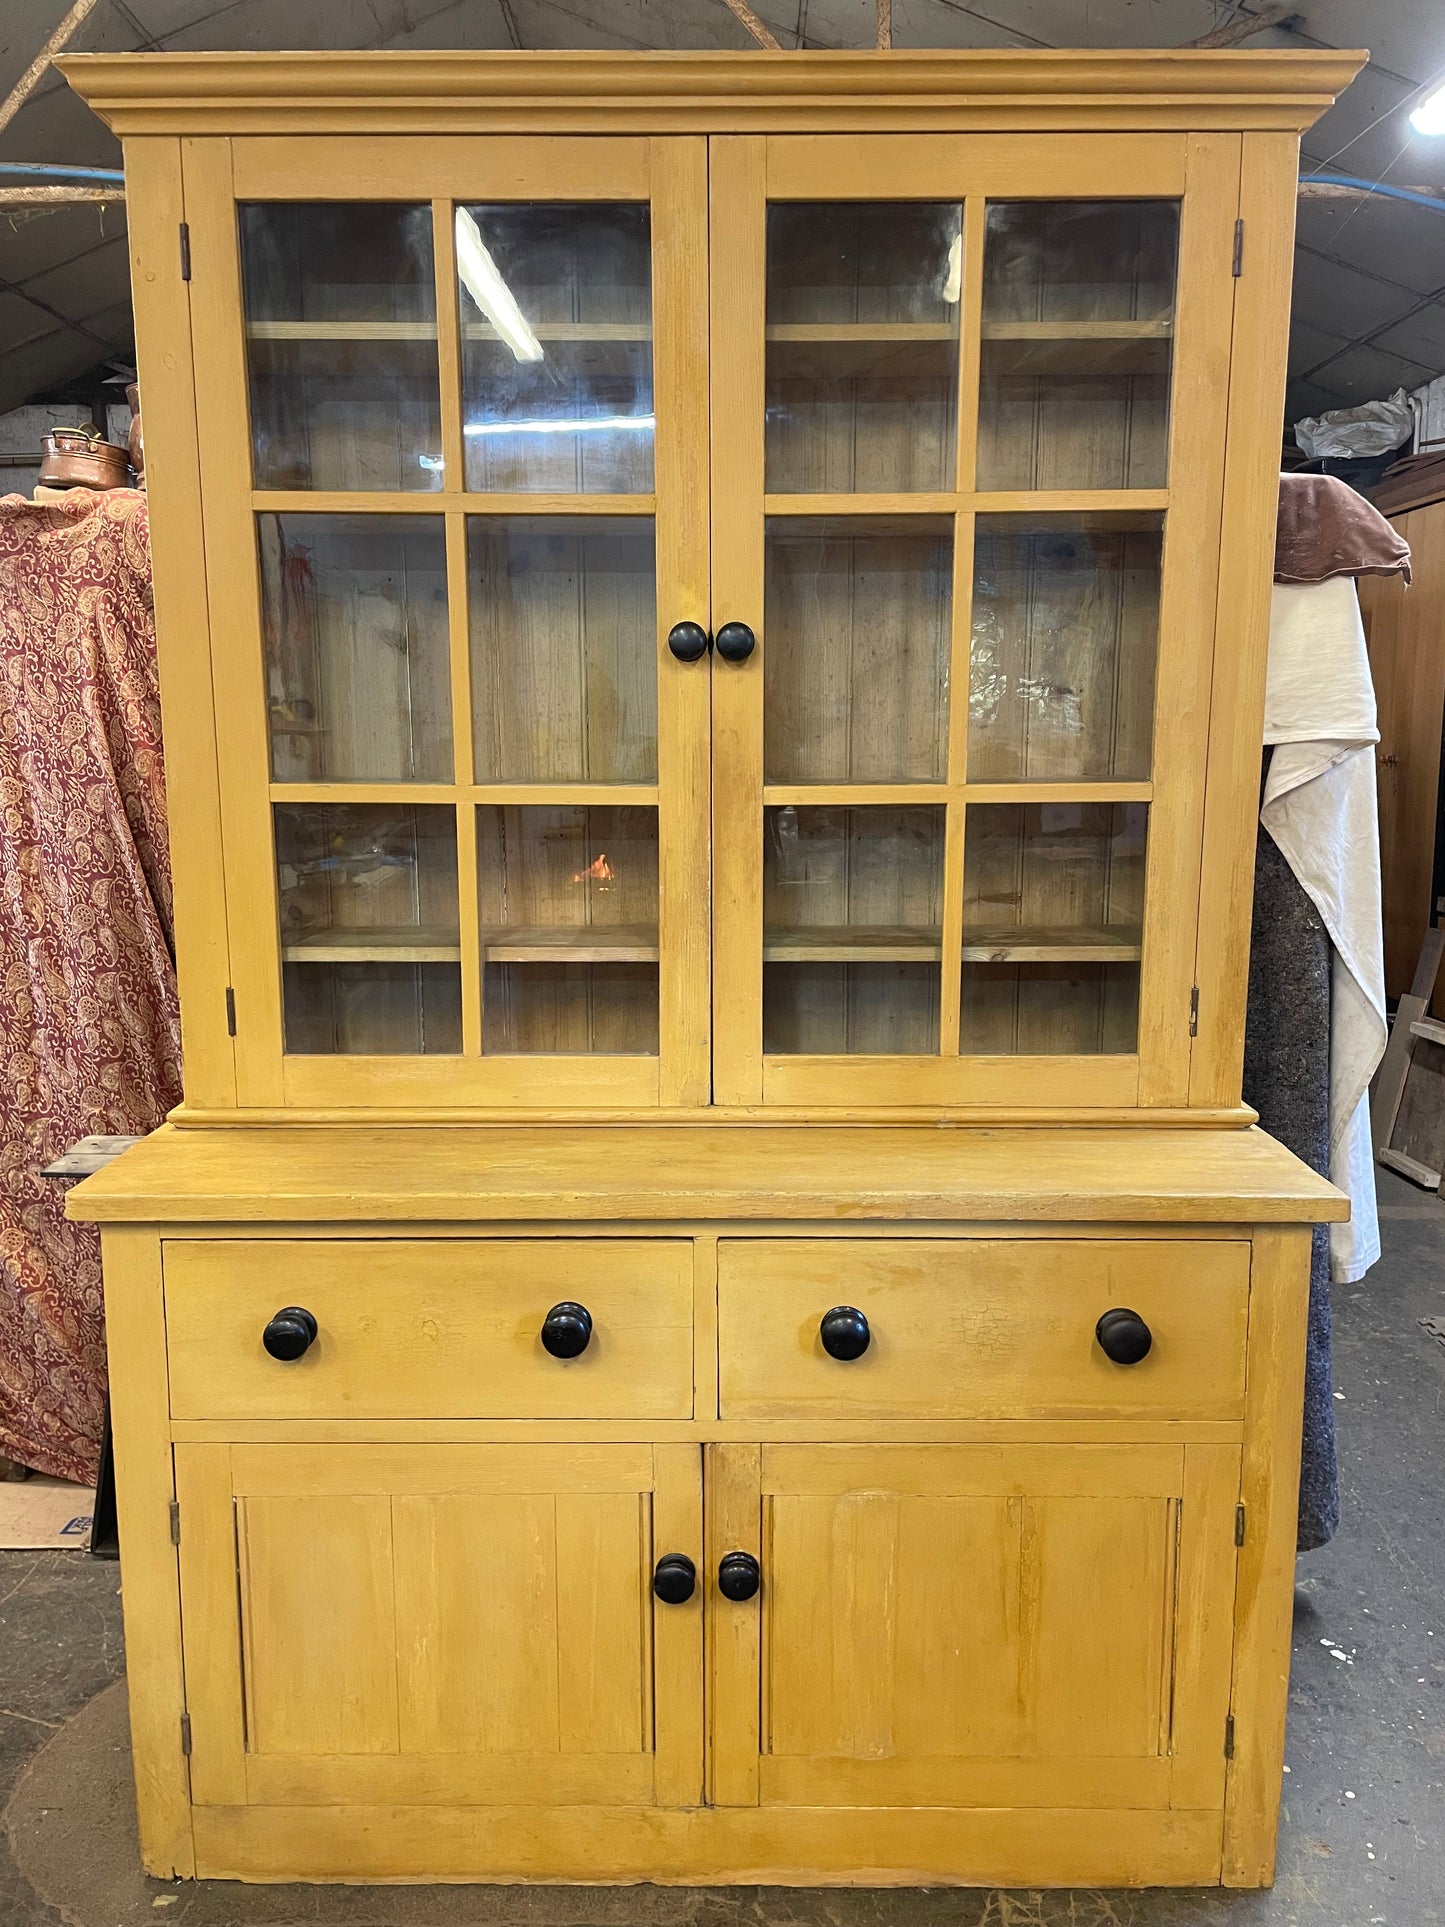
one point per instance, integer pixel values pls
(89, 1029)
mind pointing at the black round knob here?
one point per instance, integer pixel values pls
(675, 1578)
(738, 1575)
(290, 1333)
(567, 1330)
(735, 642)
(844, 1332)
(688, 641)
(1123, 1336)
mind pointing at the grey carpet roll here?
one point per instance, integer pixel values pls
(1287, 1080)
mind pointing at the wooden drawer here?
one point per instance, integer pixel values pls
(430, 1328)
(980, 1328)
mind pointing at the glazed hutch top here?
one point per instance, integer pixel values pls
(729, 581)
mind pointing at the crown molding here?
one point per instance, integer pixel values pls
(997, 89)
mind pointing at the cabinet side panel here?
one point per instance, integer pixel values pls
(161, 299)
(1264, 1599)
(136, 1354)
(1251, 496)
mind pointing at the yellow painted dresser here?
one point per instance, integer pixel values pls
(712, 1311)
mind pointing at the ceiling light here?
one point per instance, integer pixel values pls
(483, 282)
(1429, 116)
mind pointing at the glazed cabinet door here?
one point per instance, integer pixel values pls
(968, 438)
(974, 1625)
(453, 422)
(371, 1625)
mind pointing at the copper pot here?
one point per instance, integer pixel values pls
(82, 458)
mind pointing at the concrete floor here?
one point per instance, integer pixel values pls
(1363, 1836)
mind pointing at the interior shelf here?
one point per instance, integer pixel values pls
(1078, 330)
(852, 943)
(1010, 943)
(862, 331)
(574, 943)
(426, 331)
(884, 943)
(402, 943)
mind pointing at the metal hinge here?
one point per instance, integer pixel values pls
(1229, 1738)
(1239, 1525)
(1194, 1010)
(175, 1509)
(186, 251)
(230, 1011)
(1238, 268)
(186, 1734)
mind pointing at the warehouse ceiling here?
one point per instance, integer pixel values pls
(1369, 301)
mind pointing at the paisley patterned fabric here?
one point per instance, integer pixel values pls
(89, 1028)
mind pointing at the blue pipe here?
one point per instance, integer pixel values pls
(32, 170)
(1376, 187)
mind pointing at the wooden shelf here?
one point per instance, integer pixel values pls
(815, 331)
(426, 331)
(1014, 943)
(572, 944)
(405, 943)
(1077, 330)
(852, 943)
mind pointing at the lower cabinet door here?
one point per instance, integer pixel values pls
(973, 1625)
(374, 1625)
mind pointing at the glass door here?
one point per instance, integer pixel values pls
(968, 409)
(453, 432)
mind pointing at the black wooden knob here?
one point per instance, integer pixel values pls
(844, 1332)
(567, 1330)
(1123, 1336)
(675, 1578)
(688, 641)
(738, 1575)
(290, 1333)
(735, 642)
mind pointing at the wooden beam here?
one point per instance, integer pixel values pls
(1244, 26)
(29, 80)
(57, 196)
(884, 41)
(755, 27)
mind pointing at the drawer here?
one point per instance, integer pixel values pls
(980, 1328)
(430, 1328)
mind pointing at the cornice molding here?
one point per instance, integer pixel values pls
(973, 91)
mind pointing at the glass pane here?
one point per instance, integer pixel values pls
(556, 315)
(1065, 633)
(568, 906)
(1078, 320)
(341, 344)
(852, 910)
(357, 674)
(371, 957)
(1053, 915)
(564, 649)
(862, 354)
(856, 649)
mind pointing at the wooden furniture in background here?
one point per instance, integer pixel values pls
(1405, 630)
(713, 625)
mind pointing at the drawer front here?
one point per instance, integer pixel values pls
(980, 1328)
(430, 1328)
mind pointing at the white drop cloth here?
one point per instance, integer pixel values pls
(1319, 807)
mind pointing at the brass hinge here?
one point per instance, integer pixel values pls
(185, 250)
(186, 1734)
(230, 1011)
(1238, 268)
(175, 1522)
(1229, 1737)
(1239, 1524)
(1194, 1010)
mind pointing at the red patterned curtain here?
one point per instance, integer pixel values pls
(89, 1030)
